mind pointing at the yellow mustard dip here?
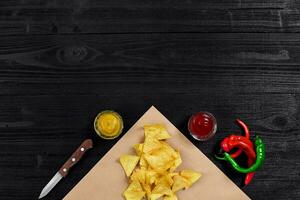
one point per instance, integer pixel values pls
(108, 124)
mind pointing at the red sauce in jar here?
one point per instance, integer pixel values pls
(202, 125)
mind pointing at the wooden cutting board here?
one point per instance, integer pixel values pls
(107, 180)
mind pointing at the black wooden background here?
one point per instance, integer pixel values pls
(63, 61)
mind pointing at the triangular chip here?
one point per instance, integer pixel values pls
(160, 161)
(134, 191)
(162, 188)
(128, 163)
(143, 162)
(165, 179)
(156, 131)
(138, 149)
(190, 175)
(179, 183)
(150, 145)
(138, 175)
(168, 149)
(151, 176)
(177, 162)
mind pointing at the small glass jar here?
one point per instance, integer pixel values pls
(108, 124)
(202, 126)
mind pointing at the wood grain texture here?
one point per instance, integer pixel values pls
(61, 62)
(83, 16)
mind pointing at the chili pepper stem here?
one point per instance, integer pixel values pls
(220, 158)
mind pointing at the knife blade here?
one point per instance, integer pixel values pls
(64, 170)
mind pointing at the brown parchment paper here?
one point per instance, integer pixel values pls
(107, 180)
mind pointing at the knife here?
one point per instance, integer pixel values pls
(63, 172)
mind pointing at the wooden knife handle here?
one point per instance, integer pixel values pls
(76, 156)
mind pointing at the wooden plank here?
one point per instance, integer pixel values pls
(113, 20)
(212, 4)
(60, 59)
(48, 17)
(205, 4)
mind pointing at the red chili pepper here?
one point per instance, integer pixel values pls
(247, 135)
(241, 142)
(244, 144)
(249, 176)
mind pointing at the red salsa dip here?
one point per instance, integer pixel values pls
(202, 126)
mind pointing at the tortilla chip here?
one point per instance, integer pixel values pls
(134, 191)
(179, 183)
(165, 179)
(151, 176)
(177, 162)
(128, 163)
(143, 162)
(150, 145)
(157, 131)
(160, 160)
(162, 188)
(138, 175)
(138, 149)
(190, 175)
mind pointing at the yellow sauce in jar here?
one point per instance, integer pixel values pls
(108, 124)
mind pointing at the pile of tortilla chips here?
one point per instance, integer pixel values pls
(152, 171)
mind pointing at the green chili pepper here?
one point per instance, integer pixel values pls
(260, 157)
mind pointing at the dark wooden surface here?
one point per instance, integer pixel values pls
(61, 62)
